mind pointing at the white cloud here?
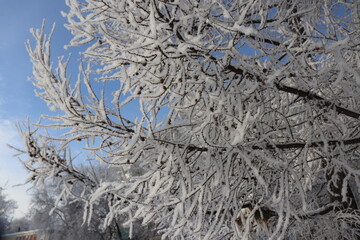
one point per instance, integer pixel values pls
(11, 170)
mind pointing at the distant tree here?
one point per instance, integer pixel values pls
(20, 225)
(7, 208)
(64, 220)
(248, 121)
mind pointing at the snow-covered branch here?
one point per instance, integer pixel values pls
(223, 119)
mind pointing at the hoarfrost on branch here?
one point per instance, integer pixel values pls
(248, 120)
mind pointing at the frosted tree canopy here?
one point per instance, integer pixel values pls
(224, 119)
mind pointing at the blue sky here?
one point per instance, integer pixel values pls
(17, 98)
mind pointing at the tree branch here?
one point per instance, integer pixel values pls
(285, 146)
(320, 211)
(305, 94)
(313, 96)
(312, 144)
